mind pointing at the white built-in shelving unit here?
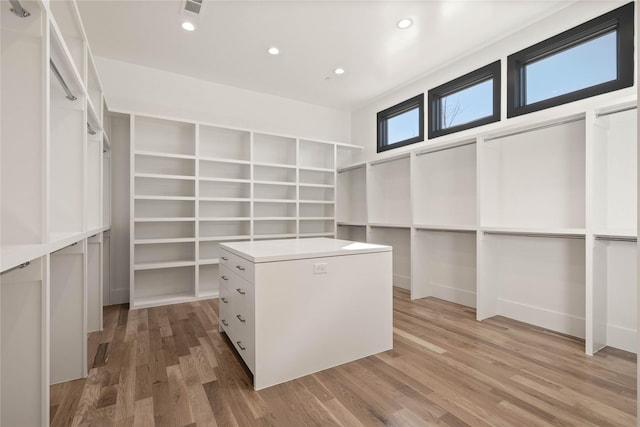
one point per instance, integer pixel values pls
(534, 221)
(55, 212)
(195, 185)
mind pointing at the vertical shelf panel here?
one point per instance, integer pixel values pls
(94, 197)
(22, 171)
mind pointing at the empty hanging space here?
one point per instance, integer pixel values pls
(390, 192)
(68, 318)
(445, 187)
(95, 277)
(222, 143)
(615, 313)
(615, 173)
(534, 279)
(24, 328)
(352, 195)
(23, 94)
(534, 179)
(400, 240)
(445, 266)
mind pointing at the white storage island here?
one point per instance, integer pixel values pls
(295, 307)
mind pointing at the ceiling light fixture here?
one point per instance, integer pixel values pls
(274, 50)
(339, 71)
(188, 26)
(404, 23)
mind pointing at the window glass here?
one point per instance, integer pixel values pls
(403, 126)
(467, 105)
(587, 64)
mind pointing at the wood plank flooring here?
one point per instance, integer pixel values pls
(169, 366)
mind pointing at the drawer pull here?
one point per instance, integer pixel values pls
(239, 267)
(240, 345)
(224, 300)
(240, 291)
(224, 258)
(224, 277)
(224, 322)
(240, 318)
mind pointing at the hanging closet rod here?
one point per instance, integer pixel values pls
(450, 147)
(542, 235)
(17, 9)
(23, 265)
(442, 230)
(621, 110)
(390, 159)
(617, 239)
(352, 167)
(90, 130)
(549, 125)
(70, 95)
(62, 249)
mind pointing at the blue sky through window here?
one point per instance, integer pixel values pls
(467, 105)
(403, 126)
(585, 65)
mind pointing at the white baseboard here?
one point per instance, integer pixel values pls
(458, 296)
(403, 282)
(622, 338)
(544, 318)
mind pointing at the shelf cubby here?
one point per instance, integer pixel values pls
(352, 195)
(274, 174)
(22, 176)
(615, 311)
(164, 230)
(164, 252)
(274, 209)
(164, 209)
(160, 165)
(400, 240)
(164, 136)
(164, 187)
(615, 172)
(222, 143)
(282, 227)
(537, 280)
(275, 150)
(208, 280)
(224, 170)
(163, 285)
(319, 194)
(535, 177)
(317, 210)
(446, 267)
(274, 191)
(445, 186)
(225, 209)
(314, 154)
(317, 226)
(222, 229)
(390, 191)
(317, 178)
(225, 189)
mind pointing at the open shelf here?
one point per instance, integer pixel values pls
(224, 209)
(224, 229)
(276, 150)
(274, 174)
(224, 143)
(319, 194)
(262, 209)
(164, 230)
(311, 178)
(224, 189)
(317, 226)
(151, 253)
(316, 210)
(164, 209)
(535, 178)
(161, 165)
(447, 267)
(164, 136)
(167, 285)
(316, 155)
(356, 233)
(224, 170)
(274, 227)
(446, 180)
(208, 281)
(274, 191)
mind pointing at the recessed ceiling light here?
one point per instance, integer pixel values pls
(274, 50)
(339, 71)
(404, 23)
(186, 25)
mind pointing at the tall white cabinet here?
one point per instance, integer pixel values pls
(54, 178)
(535, 222)
(194, 185)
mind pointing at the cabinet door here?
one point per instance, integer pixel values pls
(226, 302)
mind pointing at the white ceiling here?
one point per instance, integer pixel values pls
(314, 37)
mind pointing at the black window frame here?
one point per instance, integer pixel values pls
(391, 112)
(488, 72)
(620, 20)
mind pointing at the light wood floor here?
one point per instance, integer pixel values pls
(169, 366)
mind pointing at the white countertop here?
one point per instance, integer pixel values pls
(287, 249)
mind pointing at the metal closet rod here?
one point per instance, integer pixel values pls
(90, 129)
(542, 235)
(531, 129)
(617, 239)
(620, 110)
(23, 265)
(20, 11)
(70, 95)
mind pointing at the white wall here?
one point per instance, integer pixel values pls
(363, 121)
(148, 90)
